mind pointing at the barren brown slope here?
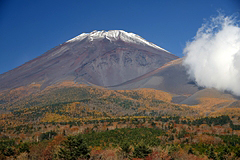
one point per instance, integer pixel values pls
(171, 77)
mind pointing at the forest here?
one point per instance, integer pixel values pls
(160, 137)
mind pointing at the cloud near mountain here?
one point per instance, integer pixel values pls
(212, 59)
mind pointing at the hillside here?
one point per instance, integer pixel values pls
(68, 101)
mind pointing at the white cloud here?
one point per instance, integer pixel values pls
(212, 59)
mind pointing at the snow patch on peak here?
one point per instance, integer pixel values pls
(114, 35)
(79, 37)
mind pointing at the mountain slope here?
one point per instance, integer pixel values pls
(101, 58)
(171, 77)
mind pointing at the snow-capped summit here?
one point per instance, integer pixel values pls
(114, 35)
(103, 58)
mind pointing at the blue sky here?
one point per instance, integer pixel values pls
(30, 28)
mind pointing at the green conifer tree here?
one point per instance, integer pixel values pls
(74, 148)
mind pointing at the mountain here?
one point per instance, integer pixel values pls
(108, 72)
(103, 58)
